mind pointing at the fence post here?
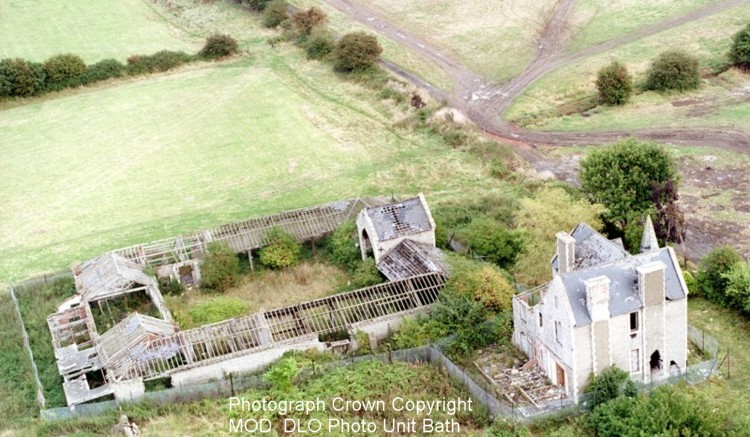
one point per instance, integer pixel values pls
(231, 383)
(729, 369)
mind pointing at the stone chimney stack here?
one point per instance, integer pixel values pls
(651, 283)
(566, 253)
(597, 298)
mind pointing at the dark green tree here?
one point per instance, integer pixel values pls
(610, 384)
(614, 83)
(258, 5)
(320, 43)
(356, 51)
(673, 70)
(621, 177)
(221, 267)
(219, 46)
(739, 54)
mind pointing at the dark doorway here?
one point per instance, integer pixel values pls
(186, 276)
(366, 242)
(655, 361)
(560, 376)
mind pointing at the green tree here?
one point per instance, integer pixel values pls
(356, 51)
(219, 46)
(275, 13)
(621, 177)
(541, 216)
(494, 242)
(63, 71)
(283, 250)
(614, 83)
(610, 384)
(739, 54)
(711, 277)
(220, 268)
(673, 70)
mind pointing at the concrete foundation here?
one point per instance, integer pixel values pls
(126, 391)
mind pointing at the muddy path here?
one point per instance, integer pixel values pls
(485, 104)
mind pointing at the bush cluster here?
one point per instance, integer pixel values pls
(494, 242)
(673, 70)
(22, 78)
(724, 278)
(219, 46)
(220, 268)
(614, 83)
(282, 251)
(739, 54)
(356, 52)
(275, 13)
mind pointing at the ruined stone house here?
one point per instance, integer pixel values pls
(605, 307)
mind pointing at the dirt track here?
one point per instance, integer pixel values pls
(485, 104)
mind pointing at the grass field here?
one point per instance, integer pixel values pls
(597, 21)
(93, 29)
(539, 106)
(495, 39)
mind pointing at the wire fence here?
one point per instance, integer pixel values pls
(706, 343)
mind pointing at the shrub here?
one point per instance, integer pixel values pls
(691, 283)
(356, 51)
(610, 384)
(711, 279)
(673, 70)
(217, 309)
(219, 46)
(738, 286)
(466, 318)
(63, 71)
(305, 21)
(220, 268)
(485, 283)
(20, 78)
(739, 54)
(366, 274)
(281, 374)
(276, 13)
(320, 43)
(494, 242)
(258, 5)
(103, 70)
(614, 83)
(343, 244)
(283, 250)
(667, 411)
(166, 60)
(418, 331)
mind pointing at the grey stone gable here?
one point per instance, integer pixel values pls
(623, 288)
(592, 248)
(399, 219)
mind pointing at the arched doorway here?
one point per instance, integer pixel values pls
(366, 244)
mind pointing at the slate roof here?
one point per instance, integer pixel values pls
(411, 258)
(400, 219)
(624, 297)
(592, 248)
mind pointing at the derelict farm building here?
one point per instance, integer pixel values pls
(605, 307)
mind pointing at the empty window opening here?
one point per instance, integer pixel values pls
(635, 360)
(541, 322)
(558, 328)
(95, 378)
(655, 361)
(633, 322)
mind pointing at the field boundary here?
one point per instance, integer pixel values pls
(39, 390)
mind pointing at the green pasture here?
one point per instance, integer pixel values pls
(93, 29)
(596, 21)
(539, 107)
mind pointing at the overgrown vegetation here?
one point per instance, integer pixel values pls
(724, 278)
(673, 70)
(356, 52)
(217, 309)
(282, 250)
(220, 268)
(739, 54)
(610, 384)
(219, 46)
